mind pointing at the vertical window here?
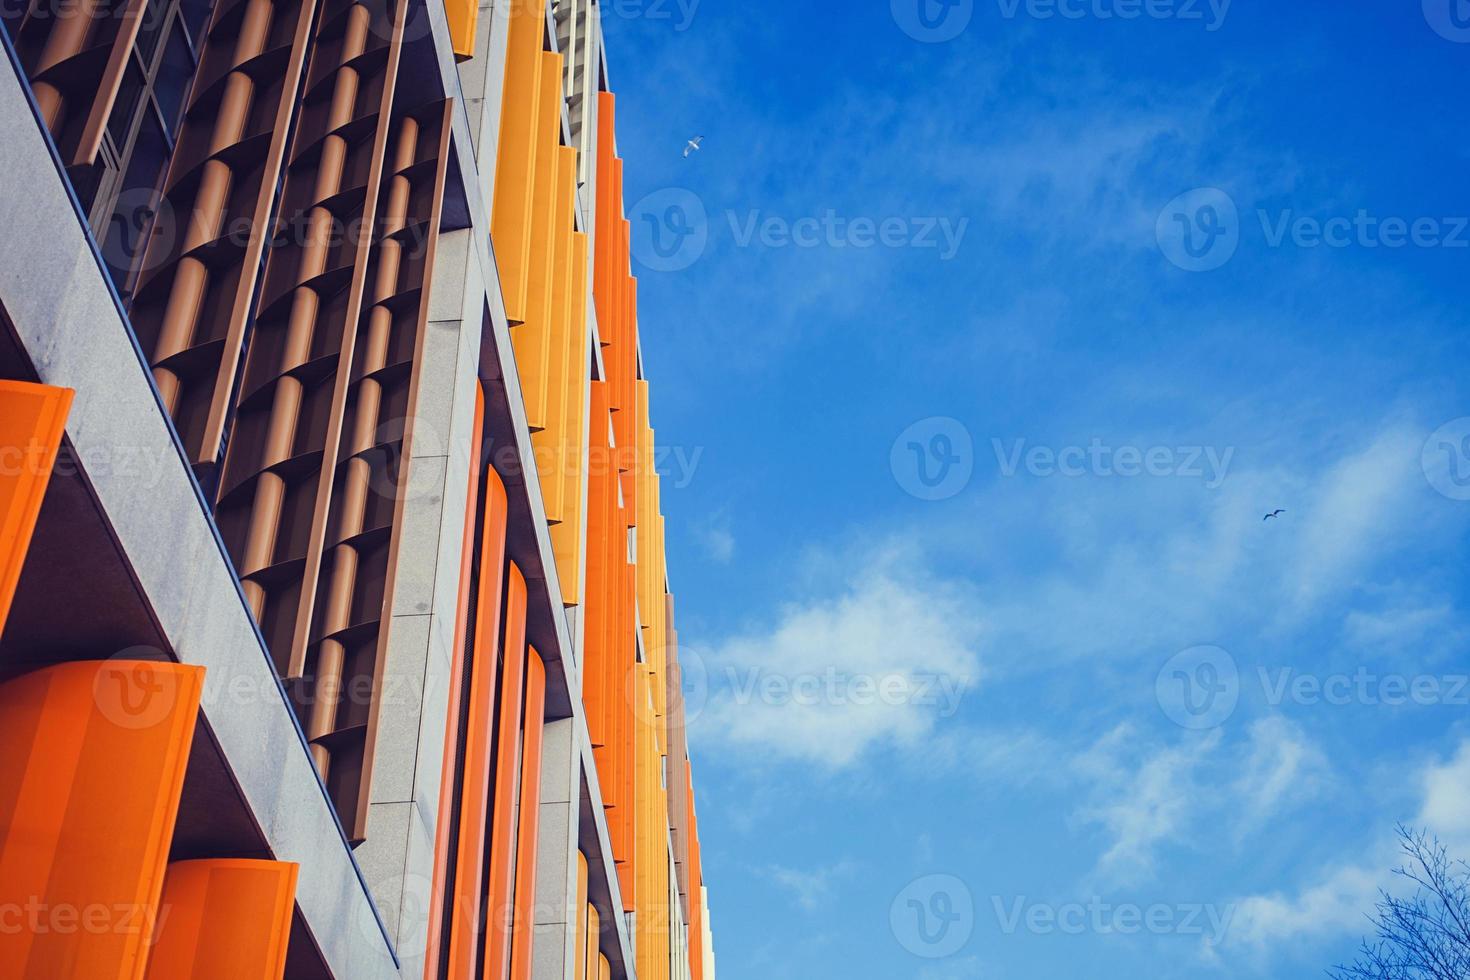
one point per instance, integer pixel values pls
(141, 131)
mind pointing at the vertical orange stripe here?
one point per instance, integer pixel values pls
(465, 902)
(507, 755)
(32, 419)
(523, 929)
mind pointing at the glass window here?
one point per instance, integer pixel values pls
(120, 123)
(196, 15)
(154, 16)
(132, 217)
(174, 73)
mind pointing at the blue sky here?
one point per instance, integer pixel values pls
(1124, 722)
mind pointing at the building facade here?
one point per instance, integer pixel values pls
(336, 637)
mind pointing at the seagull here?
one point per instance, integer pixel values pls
(1275, 513)
(692, 146)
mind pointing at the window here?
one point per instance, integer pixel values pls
(140, 133)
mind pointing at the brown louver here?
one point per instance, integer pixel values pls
(201, 268)
(75, 60)
(276, 482)
(354, 595)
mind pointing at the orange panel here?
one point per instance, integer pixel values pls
(32, 418)
(92, 759)
(225, 920)
(604, 968)
(524, 924)
(515, 164)
(474, 801)
(507, 781)
(608, 210)
(449, 775)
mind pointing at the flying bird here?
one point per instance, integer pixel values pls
(1275, 513)
(692, 146)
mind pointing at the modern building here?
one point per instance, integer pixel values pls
(336, 638)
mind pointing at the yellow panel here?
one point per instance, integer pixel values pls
(464, 16)
(567, 538)
(552, 442)
(579, 971)
(532, 338)
(515, 163)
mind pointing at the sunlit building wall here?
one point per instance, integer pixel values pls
(336, 630)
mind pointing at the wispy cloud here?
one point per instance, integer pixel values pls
(1202, 787)
(877, 664)
(1338, 900)
(810, 889)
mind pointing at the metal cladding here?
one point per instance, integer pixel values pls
(324, 258)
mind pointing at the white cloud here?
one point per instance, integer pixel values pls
(717, 540)
(811, 890)
(1446, 810)
(1340, 898)
(880, 664)
(1144, 796)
